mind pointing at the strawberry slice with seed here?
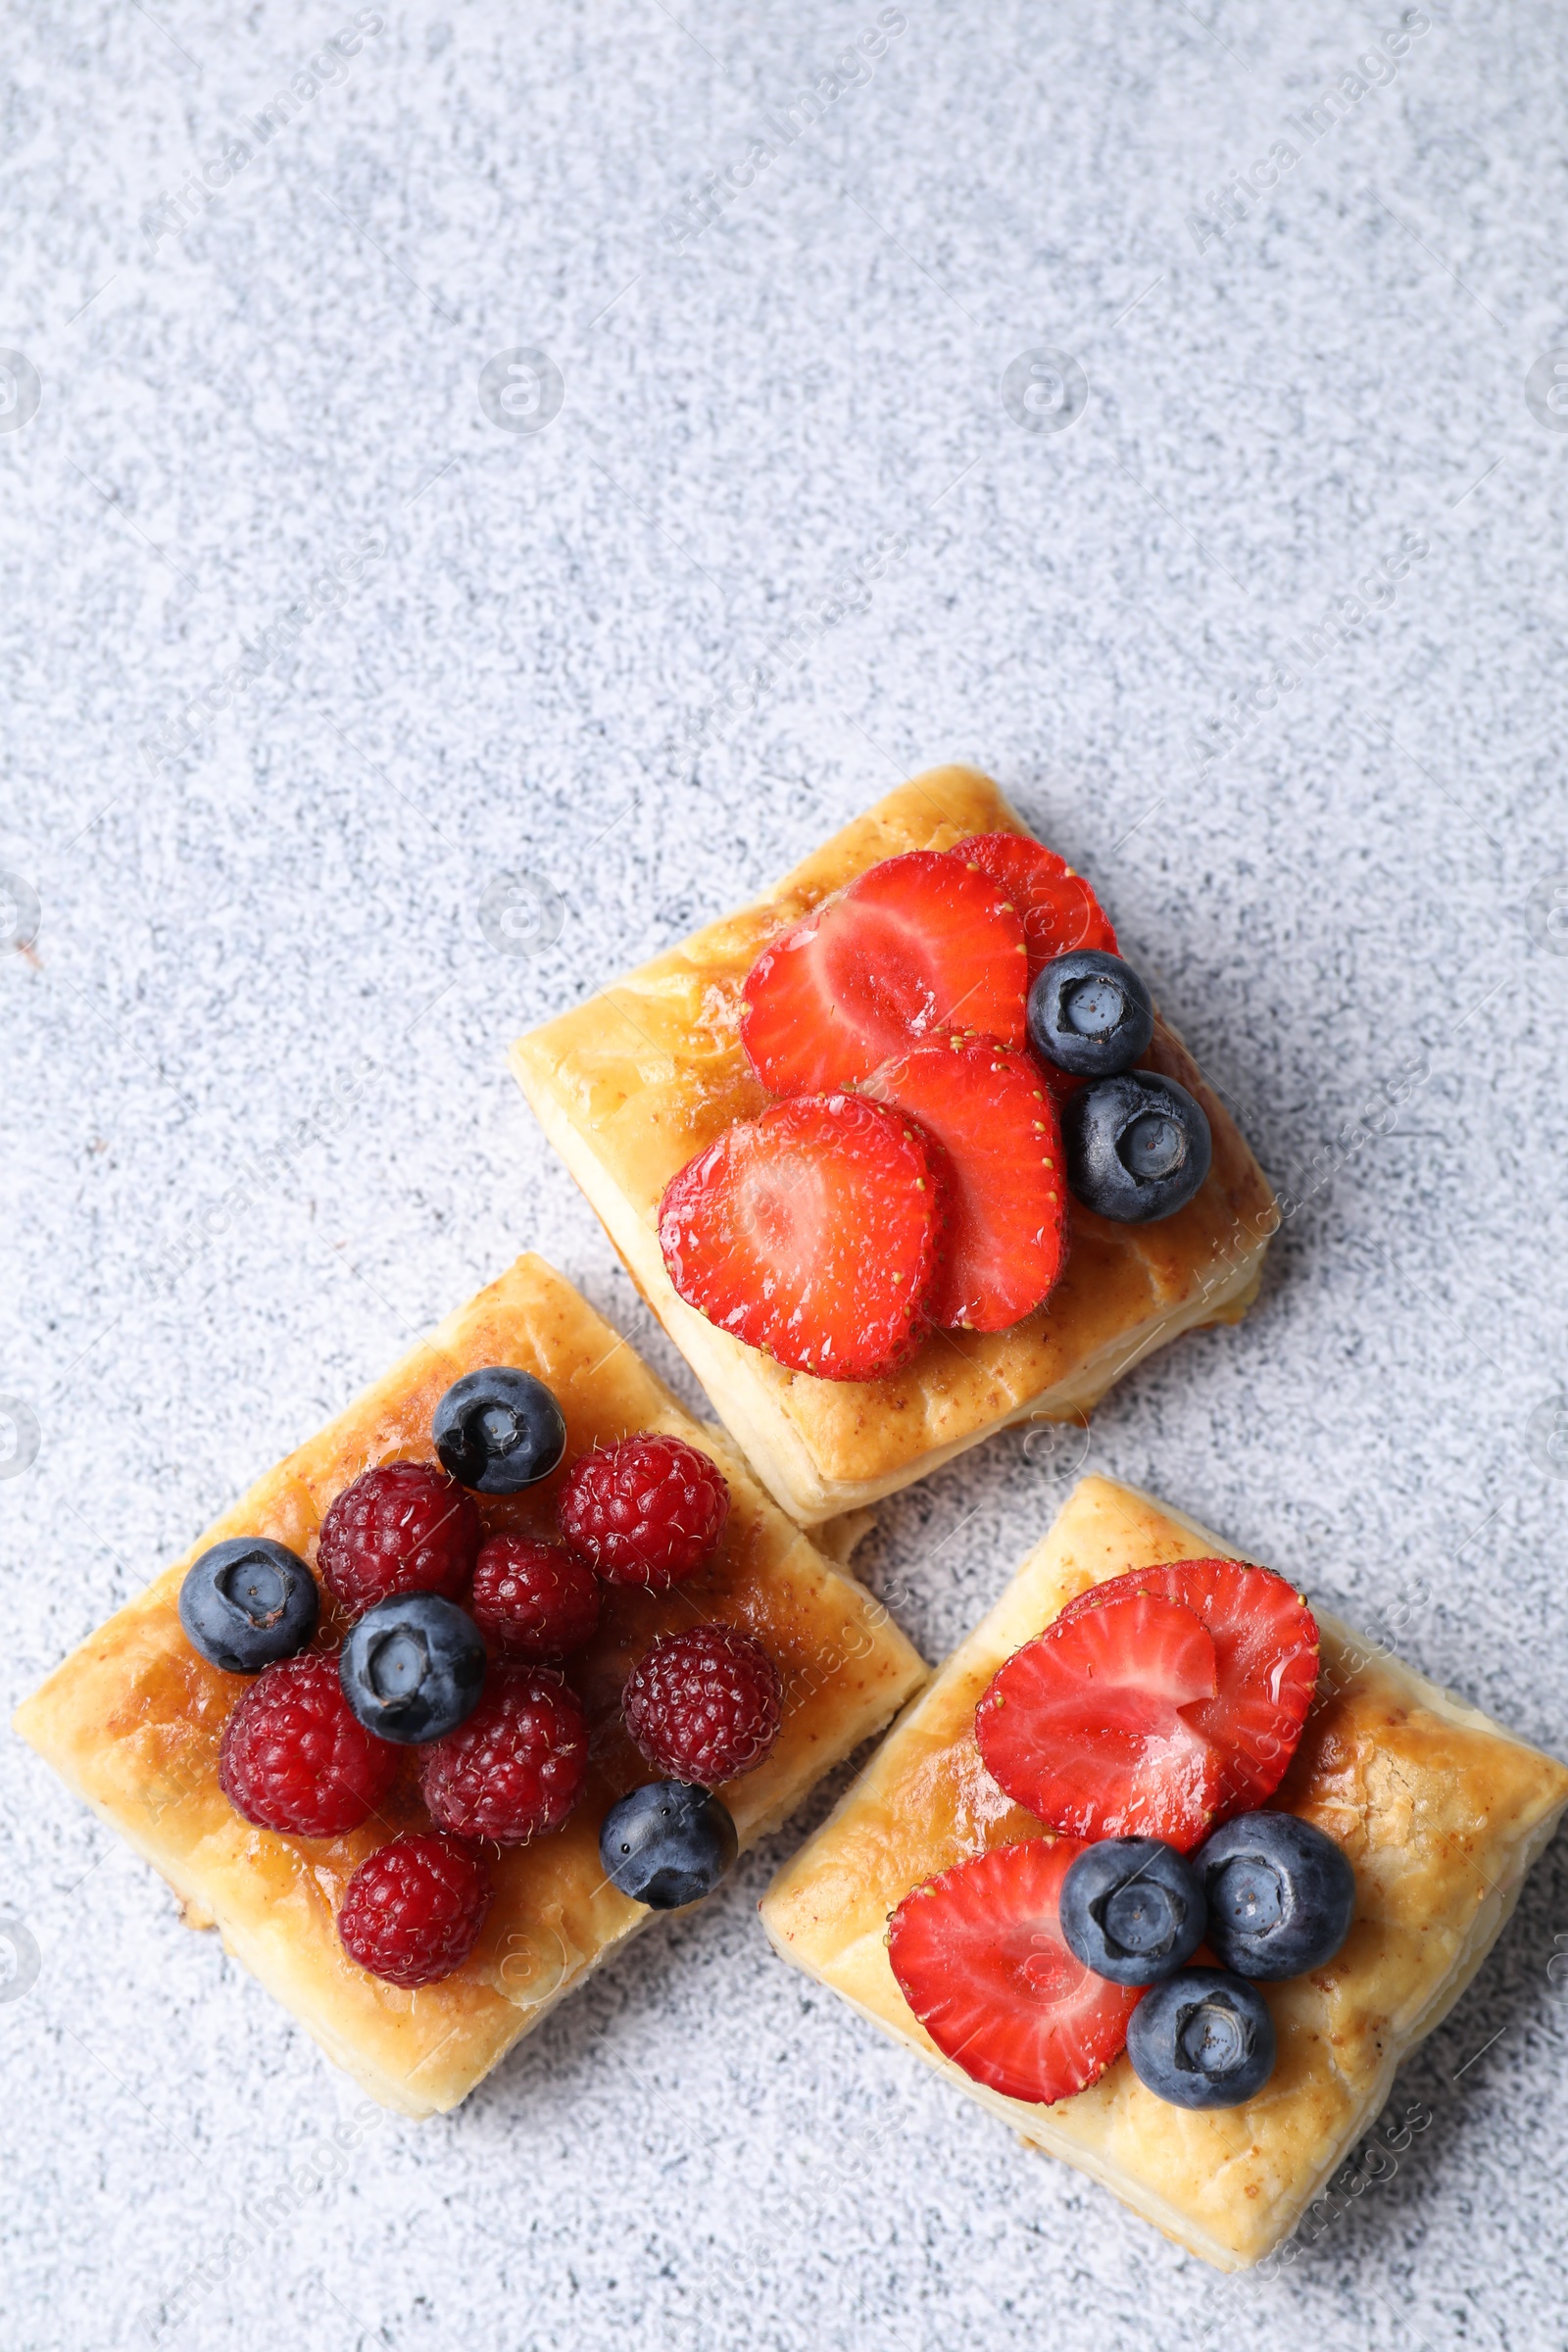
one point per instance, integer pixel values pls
(914, 946)
(979, 1957)
(1093, 1726)
(810, 1233)
(1060, 911)
(999, 1151)
(1266, 1657)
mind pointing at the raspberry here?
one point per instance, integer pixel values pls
(705, 1705)
(515, 1768)
(534, 1600)
(293, 1758)
(412, 1911)
(647, 1511)
(403, 1528)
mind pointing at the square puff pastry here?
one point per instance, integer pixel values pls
(629, 1086)
(1440, 1810)
(133, 1719)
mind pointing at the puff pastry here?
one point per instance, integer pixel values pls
(133, 1719)
(1440, 1811)
(631, 1084)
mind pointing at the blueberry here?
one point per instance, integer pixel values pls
(1280, 1894)
(1138, 1147)
(1132, 1909)
(413, 1667)
(498, 1430)
(668, 1845)
(246, 1603)
(1203, 2039)
(1090, 1013)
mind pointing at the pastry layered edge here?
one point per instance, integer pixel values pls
(1336, 2097)
(770, 1440)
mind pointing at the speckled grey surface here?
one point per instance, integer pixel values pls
(783, 542)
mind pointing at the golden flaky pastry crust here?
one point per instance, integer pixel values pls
(629, 1086)
(1439, 1811)
(133, 1719)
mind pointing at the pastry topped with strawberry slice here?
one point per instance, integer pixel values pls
(1170, 1873)
(955, 987)
(1265, 1664)
(913, 947)
(979, 1955)
(1056, 907)
(810, 1232)
(1156, 1704)
(1141, 1716)
(992, 1132)
(1051, 1192)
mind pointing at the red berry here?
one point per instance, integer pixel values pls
(1265, 1656)
(294, 1758)
(703, 1705)
(647, 1511)
(412, 1911)
(979, 1957)
(1058, 909)
(403, 1528)
(1004, 1190)
(1092, 1727)
(809, 1232)
(516, 1767)
(536, 1600)
(913, 946)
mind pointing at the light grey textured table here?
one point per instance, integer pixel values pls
(308, 645)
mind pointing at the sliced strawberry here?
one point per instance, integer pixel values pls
(809, 1232)
(1091, 1724)
(1060, 911)
(1005, 1240)
(1265, 1651)
(979, 1957)
(913, 946)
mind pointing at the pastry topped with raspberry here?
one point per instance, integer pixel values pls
(311, 1750)
(378, 1724)
(904, 1152)
(706, 1705)
(294, 1758)
(535, 1602)
(513, 1770)
(647, 1511)
(412, 1911)
(402, 1527)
